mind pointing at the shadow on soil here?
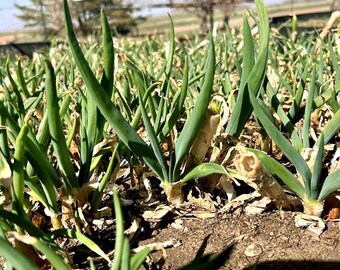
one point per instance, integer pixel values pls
(295, 265)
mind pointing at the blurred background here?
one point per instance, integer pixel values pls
(41, 20)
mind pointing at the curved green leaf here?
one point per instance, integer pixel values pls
(242, 108)
(18, 170)
(204, 170)
(56, 128)
(97, 195)
(279, 171)
(179, 105)
(332, 127)
(21, 80)
(139, 258)
(155, 144)
(126, 256)
(81, 238)
(290, 152)
(315, 183)
(163, 106)
(15, 258)
(23, 223)
(119, 244)
(50, 253)
(308, 111)
(331, 184)
(33, 150)
(196, 118)
(123, 129)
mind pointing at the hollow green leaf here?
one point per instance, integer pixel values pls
(33, 101)
(124, 131)
(163, 105)
(20, 102)
(248, 55)
(21, 80)
(39, 193)
(290, 152)
(37, 158)
(331, 184)
(316, 183)
(308, 111)
(18, 170)
(43, 135)
(24, 223)
(332, 127)
(56, 129)
(138, 259)
(203, 170)
(5, 169)
(155, 143)
(108, 55)
(105, 180)
(285, 119)
(326, 96)
(119, 244)
(196, 118)
(254, 80)
(297, 99)
(279, 171)
(4, 146)
(15, 258)
(81, 238)
(179, 104)
(125, 263)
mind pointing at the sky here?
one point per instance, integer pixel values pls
(10, 23)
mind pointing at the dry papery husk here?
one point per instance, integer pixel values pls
(309, 155)
(201, 200)
(335, 162)
(223, 154)
(210, 137)
(5, 181)
(335, 17)
(257, 176)
(226, 184)
(72, 204)
(239, 202)
(174, 192)
(204, 138)
(312, 223)
(18, 242)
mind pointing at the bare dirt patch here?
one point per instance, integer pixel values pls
(276, 241)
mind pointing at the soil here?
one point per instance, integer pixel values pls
(280, 244)
(269, 240)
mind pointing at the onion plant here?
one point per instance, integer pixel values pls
(294, 76)
(123, 259)
(253, 69)
(57, 110)
(17, 226)
(315, 187)
(35, 127)
(168, 173)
